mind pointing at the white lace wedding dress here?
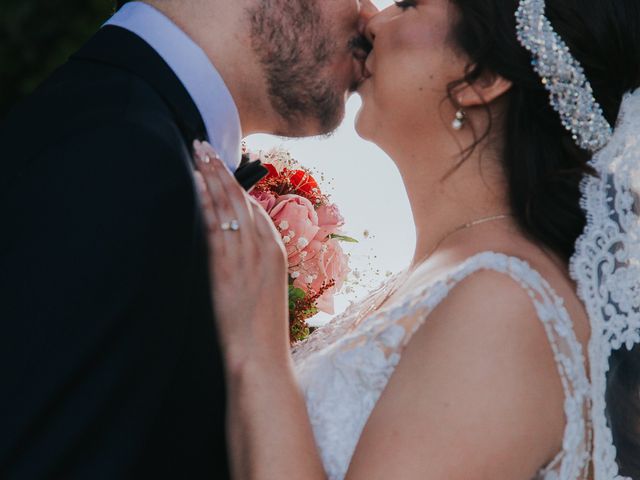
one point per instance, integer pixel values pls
(343, 369)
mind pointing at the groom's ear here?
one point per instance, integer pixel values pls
(485, 90)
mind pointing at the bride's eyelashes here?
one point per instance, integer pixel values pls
(406, 4)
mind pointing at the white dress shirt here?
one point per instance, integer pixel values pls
(196, 72)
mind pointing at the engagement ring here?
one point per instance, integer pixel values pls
(233, 225)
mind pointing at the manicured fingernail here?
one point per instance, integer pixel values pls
(198, 150)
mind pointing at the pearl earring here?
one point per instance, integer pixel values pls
(459, 121)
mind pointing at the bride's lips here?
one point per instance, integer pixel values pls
(366, 69)
(362, 75)
(366, 72)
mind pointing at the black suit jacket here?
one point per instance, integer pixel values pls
(109, 361)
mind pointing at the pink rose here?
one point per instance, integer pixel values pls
(298, 259)
(330, 263)
(297, 221)
(329, 220)
(267, 200)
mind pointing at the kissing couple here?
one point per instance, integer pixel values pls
(144, 338)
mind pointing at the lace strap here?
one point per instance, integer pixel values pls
(393, 328)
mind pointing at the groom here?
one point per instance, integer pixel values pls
(110, 366)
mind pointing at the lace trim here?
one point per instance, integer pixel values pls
(605, 267)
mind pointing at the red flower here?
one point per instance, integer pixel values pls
(273, 171)
(304, 182)
(285, 181)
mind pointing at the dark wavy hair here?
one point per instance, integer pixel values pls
(542, 163)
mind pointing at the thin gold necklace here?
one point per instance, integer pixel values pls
(400, 279)
(480, 221)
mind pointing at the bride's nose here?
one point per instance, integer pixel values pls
(372, 25)
(367, 11)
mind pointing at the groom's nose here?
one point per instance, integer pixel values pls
(367, 11)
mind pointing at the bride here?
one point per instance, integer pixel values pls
(476, 362)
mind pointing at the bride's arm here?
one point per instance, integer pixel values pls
(269, 433)
(475, 396)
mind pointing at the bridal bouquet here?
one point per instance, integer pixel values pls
(310, 226)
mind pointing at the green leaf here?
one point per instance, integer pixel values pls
(311, 312)
(296, 293)
(343, 238)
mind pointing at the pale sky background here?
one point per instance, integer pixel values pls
(366, 185)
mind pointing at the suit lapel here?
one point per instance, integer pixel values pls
(121, 48)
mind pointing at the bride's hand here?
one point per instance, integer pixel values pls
(248, 268)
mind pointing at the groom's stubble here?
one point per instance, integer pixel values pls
(293, 43)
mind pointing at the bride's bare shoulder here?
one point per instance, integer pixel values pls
(547, 265)
(480, 374)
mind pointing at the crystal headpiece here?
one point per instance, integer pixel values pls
(570, 92)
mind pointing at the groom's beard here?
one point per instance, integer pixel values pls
(295, 48)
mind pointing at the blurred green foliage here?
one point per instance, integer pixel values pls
(36, 36)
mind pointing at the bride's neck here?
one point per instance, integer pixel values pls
(441, 203)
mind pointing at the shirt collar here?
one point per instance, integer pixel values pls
(196, 72)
